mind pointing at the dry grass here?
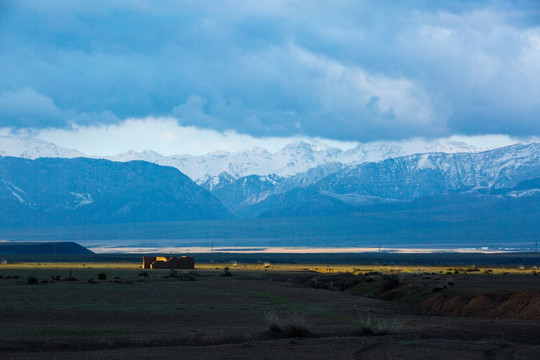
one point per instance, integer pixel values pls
(286, 324)
(378, 325)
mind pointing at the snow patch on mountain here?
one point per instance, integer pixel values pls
(524, 193)
(424, 162)
(80, 200)
(15, 191)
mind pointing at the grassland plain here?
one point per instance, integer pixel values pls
(348, 311)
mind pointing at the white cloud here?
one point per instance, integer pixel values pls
(166, 137)
(162, 135)
(394, 102)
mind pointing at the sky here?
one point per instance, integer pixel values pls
(195, 76)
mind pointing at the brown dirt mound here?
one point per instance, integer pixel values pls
(522, 304)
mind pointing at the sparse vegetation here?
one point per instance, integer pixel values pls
(294, 310)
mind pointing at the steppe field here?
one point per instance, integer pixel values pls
(236, 310)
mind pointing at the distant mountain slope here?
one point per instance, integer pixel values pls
(43, 248)
(239, 195)
(409, 177)
(404, 179)
(81, 190)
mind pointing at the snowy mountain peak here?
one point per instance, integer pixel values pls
(30, 148)
(257, 150)
(304, 147)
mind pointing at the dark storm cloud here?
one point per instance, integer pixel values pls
(353, 70)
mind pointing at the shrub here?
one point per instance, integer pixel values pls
(340, 282)
(226, 272)
(143, 273)
(190, 276)
(291, 324)
(70, 277)
(295, 326)
(388, 283)
(272, 317)
(32, 280)
(172, 274)
(379, 326)
(102, 276)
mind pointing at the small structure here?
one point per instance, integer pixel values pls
(171, 262)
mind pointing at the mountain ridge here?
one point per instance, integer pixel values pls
(49, 191)
(294, 158)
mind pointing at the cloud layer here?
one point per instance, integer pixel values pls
(347, 70)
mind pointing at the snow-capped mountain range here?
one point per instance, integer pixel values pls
(295, 158)
(503, 171)
(210, 169)
(451, 192)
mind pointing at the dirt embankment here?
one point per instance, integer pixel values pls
(522, 304)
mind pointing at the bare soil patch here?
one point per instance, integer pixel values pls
(522, 304)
